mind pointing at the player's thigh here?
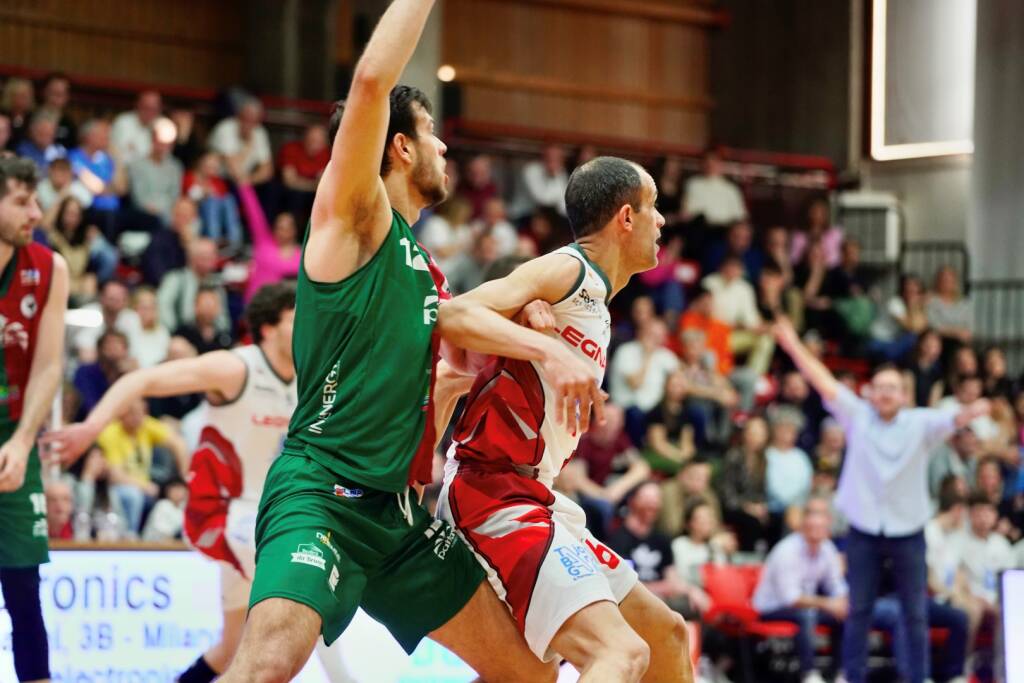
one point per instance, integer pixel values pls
(484, 636)
(598, 630)
(279, 637)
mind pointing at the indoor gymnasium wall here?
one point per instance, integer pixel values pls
(196, 43)
(631, 69)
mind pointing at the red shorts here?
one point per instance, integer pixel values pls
(534, 545)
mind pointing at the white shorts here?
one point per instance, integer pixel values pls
(540, 558)
(240, 533)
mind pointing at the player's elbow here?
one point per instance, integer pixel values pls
(452, 318)
(369, 80)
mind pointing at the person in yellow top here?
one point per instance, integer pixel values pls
(127, 446)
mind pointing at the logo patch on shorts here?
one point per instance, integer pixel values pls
(332, 580)
(308, 553)
(579, 562)
(345, 492)
(443, 536)
(326, 540)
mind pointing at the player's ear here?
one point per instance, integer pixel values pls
(401, 145)
(625, 216)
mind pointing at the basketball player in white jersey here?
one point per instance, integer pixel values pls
(250, 395)
(570, 595)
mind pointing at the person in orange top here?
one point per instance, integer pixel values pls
(716, 333)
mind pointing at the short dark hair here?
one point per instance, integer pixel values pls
(964, 378)
(990, 459)
(402, 119)
(267, 306)
(54, 76)
(597, 190)
(18, 169)
(979, 498)
(950, 494)
(111, 332)
(692, 507)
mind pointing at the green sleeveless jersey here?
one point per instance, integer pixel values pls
(363, 362)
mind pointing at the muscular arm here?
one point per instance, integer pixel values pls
(350, 211)
(219, 374)
(47, 370)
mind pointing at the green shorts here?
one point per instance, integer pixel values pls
(334, 546)
(23, 531)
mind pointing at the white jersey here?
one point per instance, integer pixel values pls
(249, 430)
(511, 416)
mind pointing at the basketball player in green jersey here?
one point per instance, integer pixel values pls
(337, 529)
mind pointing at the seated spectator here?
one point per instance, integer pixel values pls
(789, 473)
(168, 249)
(716, 200)
(810, 279)
(734, 303)
(668, 175)
(925, 372)
(19, 101)
(155, 179)
(699, 316)
(203, 333)
(301, 163)
(544, 182)
(704, 542)
(131, 134)
(187, 148)
(113, 306)
(803, 583)
(218, 209)
(60, 507)
(177, 293)
(985, 553)
(958, 457)
(997, 382)
(950, 313)
(898, 324)
(710, 399)
(94, 167)
(546, 230)
(467, 271)
(650, 552)
(40, 144)
(151, 341)
(641, 312)
(818, 232)
(5, 131)
(831, 447)
(91, 259)
(782, 274)
(739, 243)
(637, 376)
(846, 288)
(244, 145)
(127, 446)
(168, 515)
(670, 437)
(667, 280)
(692, 482)
(59, 184)
(56, 90)
(478, 184)
(92, 380)
(275, 253)
(991, 484)
(966, 390)
(494, 221)
(741, 485)
(794, 391)
(446, 233)
(944, 535)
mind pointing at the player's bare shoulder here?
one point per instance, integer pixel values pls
(551, 275)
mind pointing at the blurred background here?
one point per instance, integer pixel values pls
(853, 164)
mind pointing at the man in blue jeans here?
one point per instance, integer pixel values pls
(803, 583)
(883, 492)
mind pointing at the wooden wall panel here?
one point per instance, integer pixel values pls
(185, 42)
(615, 69)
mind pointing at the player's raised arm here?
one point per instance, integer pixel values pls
(219, 374)
(351, 209)
(480, 321)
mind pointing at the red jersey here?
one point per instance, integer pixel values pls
(24, 288)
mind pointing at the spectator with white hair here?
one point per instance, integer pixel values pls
(19, 101)
(60, 506)
(41, 144)
(155, 179)
(131, 134)
(244, 145)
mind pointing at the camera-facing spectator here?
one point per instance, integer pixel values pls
(704, 541)
(692, 482)
(155, 179)
(95, 168)
(113, 306)
(167, 517)
(997, 382)
(19, 101)
(218, 209)
(203, 333)
(468, 269)
(151, 341)
(131, 135)
(713, 196)
(478, 184)
(56, 91)
(301, 163)
(168, 249)
(637, 375)
(925, 372)
(92, 380)
(494, 221)
(670, 436)
(710, 399)
(446, 233)
(949, 312)
(818, 231)
(738, 244)
(187, 147)
(544, 182)
(60, 507)
(244, 145)
(897, 325)
(40, 145)
(741, 485)
(985, 552)
(735, 304)
(789, 472)
(91, 259)
(59, 184)
(176, 296)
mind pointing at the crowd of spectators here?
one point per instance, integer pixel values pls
(715, 449)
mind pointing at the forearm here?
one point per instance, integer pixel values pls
(118, 399)
(813, 370)
(39, 393)
(393, 42)
(475, 327)
(638, 473)
(262, 174)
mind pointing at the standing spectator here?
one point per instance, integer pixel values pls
(446, 233)
(203, 332)
(60, 506)
(168, 249)
(883, 493)
(670, 440)
(741, 484)
(638, 372)
(789, 472)
(950, 313)
(91, 259)
(177, 293)
(735, 304)
(92, 380)
(93, 166)
(60, 184)
(218, 208)
(113, 305)
(738, 243)
(19, 101)
(5, 131)
(244, 146)
(544, 182)
(152, 340)
(127, 446)
(301, 163)
(803, 583)
(651, 552)
(818, 231)
(925, 373)
(40, 145)
(275, 253)
(713, 196)
(478, 184)
(131, 136)
(155, 179)
(56, 92)
(186, 147)
(897, 325)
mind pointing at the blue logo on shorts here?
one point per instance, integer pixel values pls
(579, 562)
(344, 492)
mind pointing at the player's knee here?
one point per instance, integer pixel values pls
(636, 656)
(678, 633)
